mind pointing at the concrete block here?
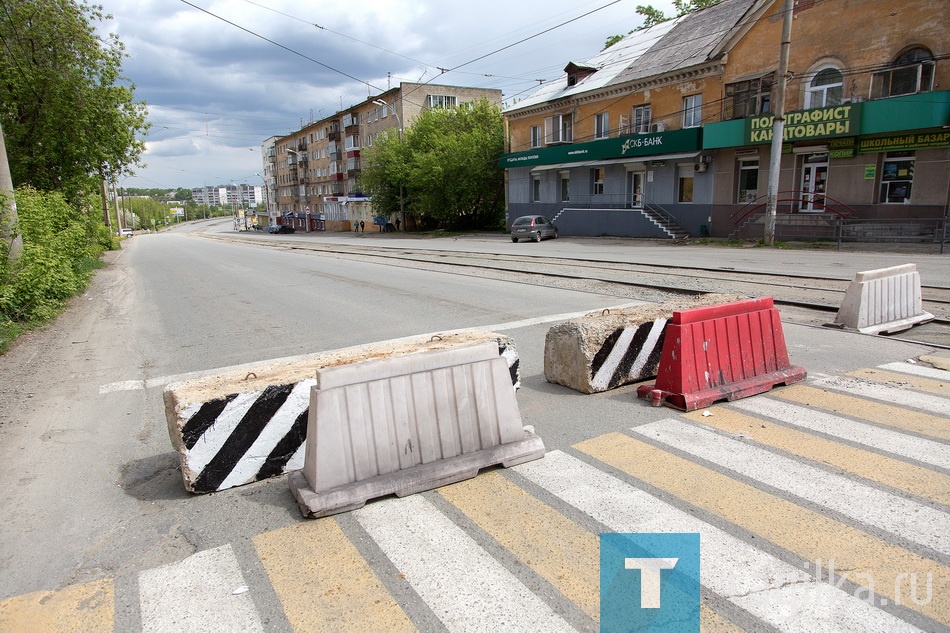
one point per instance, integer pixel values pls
(884, 300)
(238, 426)
(604, 350)
(406, 424)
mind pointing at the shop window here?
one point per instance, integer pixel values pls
(748, 180)
(693, 111)
(748, 98)
(911, 73)
(597, 181)
(559, 128)
(684, 182)
(536, 189)
(824, 89)
(535, 136)
(641, 119)
(601, 125)
(897, 177)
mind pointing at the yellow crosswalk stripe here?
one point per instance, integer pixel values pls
(885, 414)
(88, 607)
(323, 582)
(869, 561)
(556, 548)
(917, 383)
(916, 480)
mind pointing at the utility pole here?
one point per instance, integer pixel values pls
(119, 219)
(9, 217)
(778, 126)
(105, 204)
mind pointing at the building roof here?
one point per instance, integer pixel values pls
(677, 44)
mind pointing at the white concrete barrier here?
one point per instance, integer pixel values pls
(883, 300)
(239, 426)
(406, 424)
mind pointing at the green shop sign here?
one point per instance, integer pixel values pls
(903, 142)
(637, 145)
(803, 125)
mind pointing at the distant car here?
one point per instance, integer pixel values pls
(125, 232)
(281, 228)
(535, 227)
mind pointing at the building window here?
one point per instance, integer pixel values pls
(693, 111)
(824, 89)
(565, 186)
(536, 189)
(352, 141)
(748, 98)
(748, 180)
(897, 176)
(442, 101)
(641, 119)
(684, 184)
(601, 125)
(559, 128)
(913, 72)
(535, 136)
(597, 181)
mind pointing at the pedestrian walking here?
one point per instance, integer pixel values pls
(398, 222)
(356, 226)
(362, 226)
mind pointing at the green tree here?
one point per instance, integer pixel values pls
(69, 117)
(653, 16)
(443, 171)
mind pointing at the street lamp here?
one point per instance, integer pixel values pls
(382, 103)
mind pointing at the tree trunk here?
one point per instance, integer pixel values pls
(9, 217)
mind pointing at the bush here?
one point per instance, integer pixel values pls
(61, 248)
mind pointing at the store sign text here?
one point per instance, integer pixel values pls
(805, 124)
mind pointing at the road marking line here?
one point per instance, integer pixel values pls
(88, 607)
(903, 517)
(198, 594)
(891, 472)
(907, 381)
(462, 584)
(161, 381)
(763, 585)
(884, 392)
(866, 560)
(323, 582)
(885, 440)
(887, 415)
(918, 370)
(556, 548)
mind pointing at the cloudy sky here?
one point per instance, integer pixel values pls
(221, 76)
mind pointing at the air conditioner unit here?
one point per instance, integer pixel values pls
(658, 127)
(700, 168)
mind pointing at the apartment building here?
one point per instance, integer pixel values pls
(317, 168)
(667, 133)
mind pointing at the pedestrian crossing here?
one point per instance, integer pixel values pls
(820, 506)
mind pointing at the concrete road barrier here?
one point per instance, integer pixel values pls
(604, 350)
(240, 426)
(406, 424)
(884, 300)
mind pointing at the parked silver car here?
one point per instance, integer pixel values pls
(535, 227)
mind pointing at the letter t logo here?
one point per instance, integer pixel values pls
(650, 578)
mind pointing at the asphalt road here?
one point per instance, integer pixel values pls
(88, 480)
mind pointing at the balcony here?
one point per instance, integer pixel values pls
(334, 135)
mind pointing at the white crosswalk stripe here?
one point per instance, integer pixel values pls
(885, 440)
(459, 581)
(891, 394)
(917, 370)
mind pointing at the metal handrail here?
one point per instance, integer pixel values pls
(755, 205)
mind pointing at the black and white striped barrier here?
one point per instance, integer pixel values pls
(605, 350)
(240, 426)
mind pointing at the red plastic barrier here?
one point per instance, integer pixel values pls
(721, 352)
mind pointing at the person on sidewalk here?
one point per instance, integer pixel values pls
(356, 226)
(398, 222)
(362, 226)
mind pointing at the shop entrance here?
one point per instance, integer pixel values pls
(814, 181)
(635, 190)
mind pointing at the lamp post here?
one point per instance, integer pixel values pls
(382, 103)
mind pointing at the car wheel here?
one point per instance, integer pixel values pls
(515, 240)
(537, 236)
